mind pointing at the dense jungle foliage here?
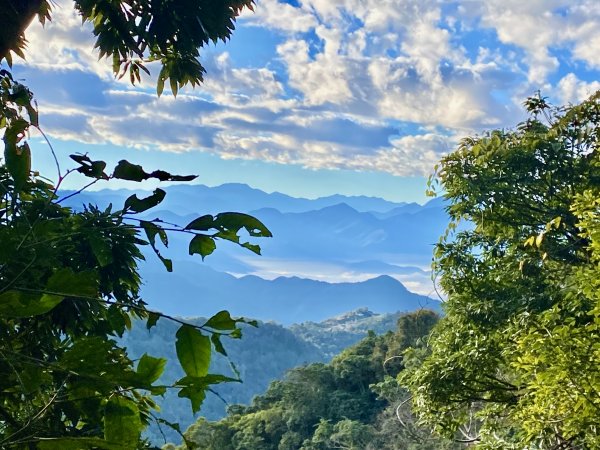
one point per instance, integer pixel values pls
(353, 402)
(518, 350)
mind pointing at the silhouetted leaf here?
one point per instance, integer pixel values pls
(137, 205)
(152, 319)
(202, 245)
(203, 223)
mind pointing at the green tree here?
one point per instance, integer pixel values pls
(325, 406)
(519, 345)
(69, 284)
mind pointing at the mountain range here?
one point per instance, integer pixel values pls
(327, 255)
(195, 289)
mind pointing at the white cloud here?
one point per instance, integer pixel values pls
(345, 77)
(572, 90)
(64, 44)
(280, 16)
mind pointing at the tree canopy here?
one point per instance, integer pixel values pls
(350, 403)
(519, 346)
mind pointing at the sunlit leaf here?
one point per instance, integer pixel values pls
(193, 351)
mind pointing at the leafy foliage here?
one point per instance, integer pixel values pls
(69, 287)
(323, 406)
(519, 346)
(134, 33)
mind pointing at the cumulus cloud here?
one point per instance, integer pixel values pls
(572, 90)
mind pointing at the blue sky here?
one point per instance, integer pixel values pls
(319, 97)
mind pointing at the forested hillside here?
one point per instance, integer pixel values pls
(351, 402)
(263, 354)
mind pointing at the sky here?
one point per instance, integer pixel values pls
(316, 97)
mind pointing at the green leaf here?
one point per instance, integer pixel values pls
(77, 284)
(23, 304)
(152, 230)
(221, 321)
(18, 160)
(152, 319)
(196, 396)
(216, 340)
(203, 223)
(194, 388)
(127, 171)
(193, 351)
(166, 262)
(236, 221)
(122, 423)
(101, 249)
(63, 282)
(150, 368)
(202, 245)
(137, 205)
(207, 380)
(252, 247)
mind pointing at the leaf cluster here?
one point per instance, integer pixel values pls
(518, 346)
(135, 33)
(69, 287)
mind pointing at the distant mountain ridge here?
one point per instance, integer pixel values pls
(337, 247)
(201, 199)
(201, 290)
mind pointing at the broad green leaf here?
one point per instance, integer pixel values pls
(193, 351)
(137, 205)
(117, 317)
(18, 161)
(203, 223)
(196, 396)
(202, 245)
(221, 321)
(122, 423)
(236, 221)
(15, 303)
(194, 388)
(67, 282)
(150, 368)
